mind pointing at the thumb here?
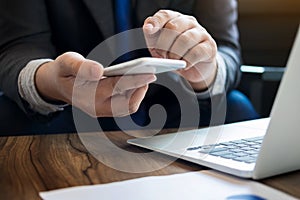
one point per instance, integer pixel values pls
(74, 64)
(90, 70)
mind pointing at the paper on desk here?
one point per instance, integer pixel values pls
(193, 185)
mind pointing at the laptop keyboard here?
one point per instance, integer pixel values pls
(244, 150)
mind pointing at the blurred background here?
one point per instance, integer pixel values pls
(267, 31)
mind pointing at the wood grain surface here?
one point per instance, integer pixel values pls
(30, 164)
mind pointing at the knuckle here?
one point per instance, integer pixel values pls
(186, 38)
(61, 59)
(204, 51)
(174, 55)
(214, 45)
(148, 19)
(164, 14)
(171, 25)
(211, 49)
(69, 59)
(202, 29)
(192, 18)
(67, 56)
(195, 54)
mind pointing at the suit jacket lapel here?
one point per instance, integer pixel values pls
(102, 12)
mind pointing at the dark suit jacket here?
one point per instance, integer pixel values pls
(34, 29)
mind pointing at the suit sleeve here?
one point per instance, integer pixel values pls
(220, 20)
(25, 35)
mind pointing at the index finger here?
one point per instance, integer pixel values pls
(159, 20)
(154, 24)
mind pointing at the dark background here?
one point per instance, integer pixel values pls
(267, 31)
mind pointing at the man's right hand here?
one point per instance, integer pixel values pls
(75, 80)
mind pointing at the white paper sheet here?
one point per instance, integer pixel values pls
(193, 185)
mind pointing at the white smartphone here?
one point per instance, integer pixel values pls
(144, 65)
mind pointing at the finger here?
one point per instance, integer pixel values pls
(90, 70)
(74, 64)
(201, 76)
(188, 40)
(69, 62)
(192, 74)
(105, 92)
(165, 41)
(123, 105)
(136, 98)
(202, 52)
(154, 24)
(120, 85)
(159, 20)
(172, 30)
(135, 81)
(116, 106)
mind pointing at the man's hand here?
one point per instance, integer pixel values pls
(75, 80)
(173, 35)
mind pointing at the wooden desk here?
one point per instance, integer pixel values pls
(30, 164)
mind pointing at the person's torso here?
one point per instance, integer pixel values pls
(80, 25)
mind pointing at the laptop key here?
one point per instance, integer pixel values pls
(251, 143)
(204, 147)
(236, 150)
(252, 152)
(245, 150)
(256, 146)
(228, 156)
(254, 139)
(211, 150)
(240, 154)
(242, 145)
(220, 153)
(254, 155)
(193, 148)
(247, 159)
(218, 149)
(227, 143)
(239, 141)
(232, 147)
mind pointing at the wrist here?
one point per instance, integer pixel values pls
(46, 86)
(41, 82)
(28, 91)
(207, 77)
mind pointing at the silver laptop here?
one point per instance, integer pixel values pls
(250, 149)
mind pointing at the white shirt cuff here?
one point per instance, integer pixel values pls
(218, 86)
(28, 91)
